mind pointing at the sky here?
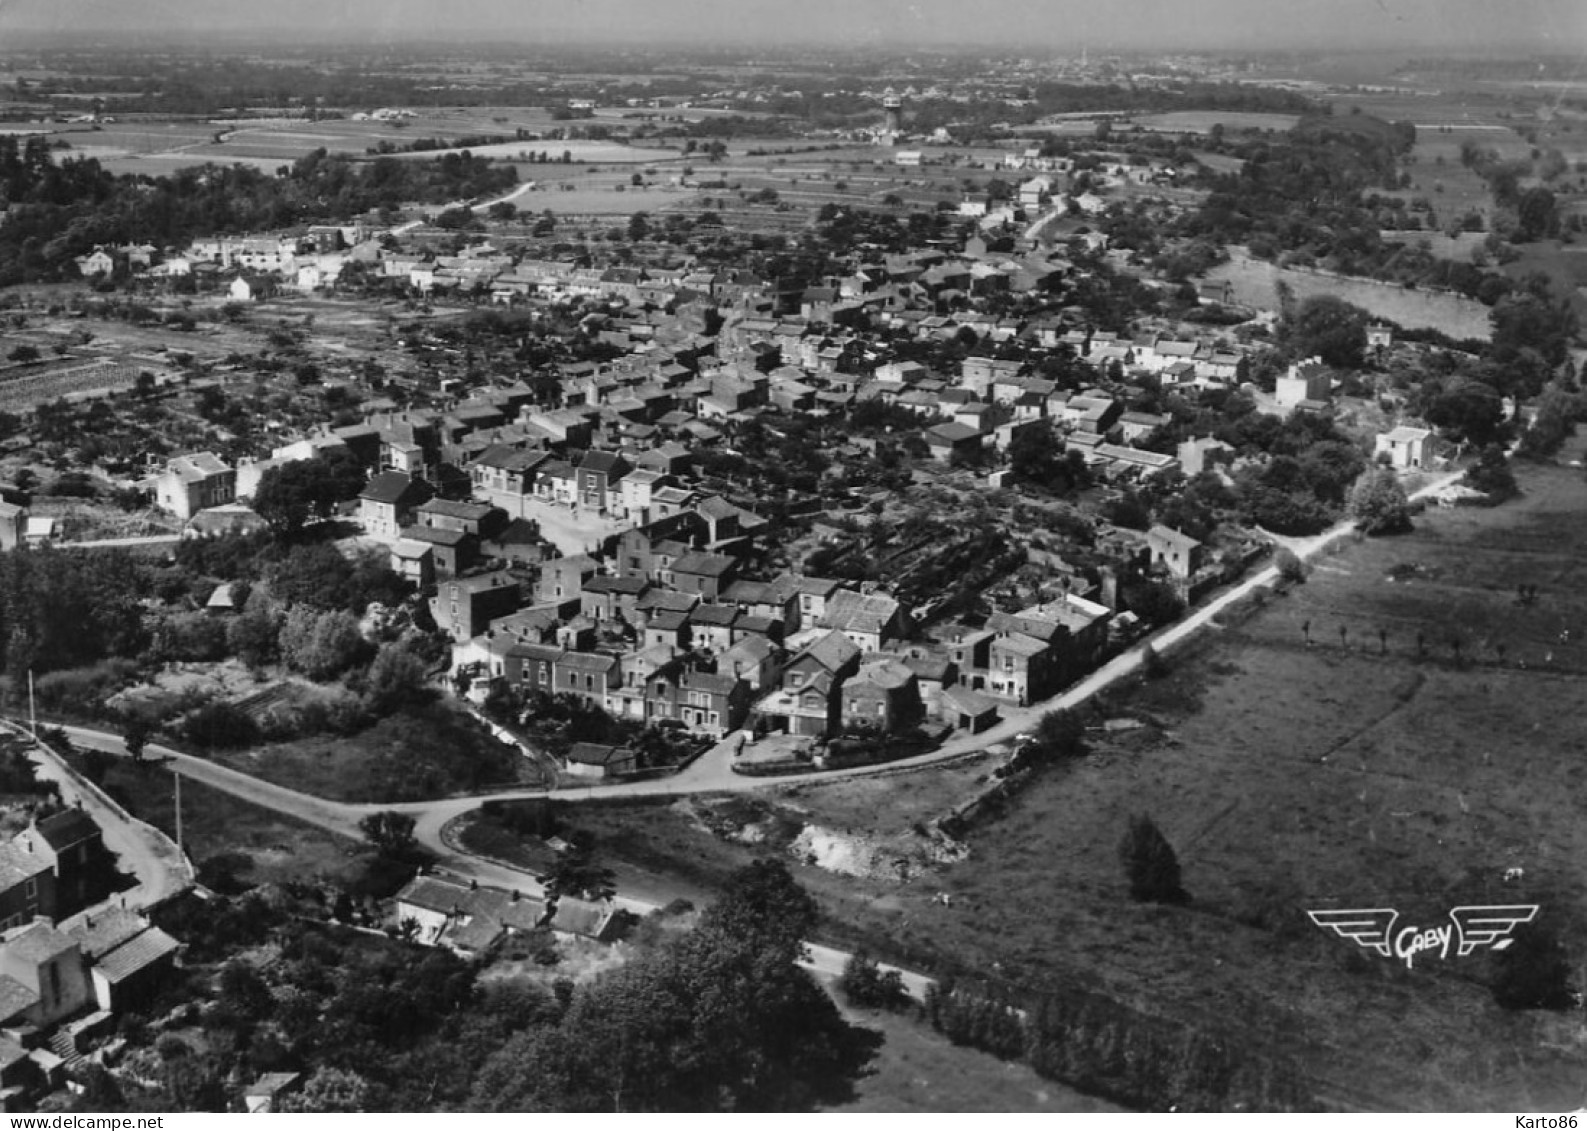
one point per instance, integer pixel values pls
(1557, 26)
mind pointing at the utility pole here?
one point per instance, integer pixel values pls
(33, 714)
(177, 778)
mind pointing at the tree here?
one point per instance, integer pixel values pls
(1150, 863)
(1535, 214)
(330, 1090)
(763, 899)
(135, 735)
(577, 873)
(322, 645)
(390, 832)
(1289, 566)
(1060, 736)
(723, 1019)
(1328, 328)
(1534, 972)
(289, 494)
(1491, 474)
(1155, 602)
(1378, 503)
(865, 984)
(396, 678)
(24, 354)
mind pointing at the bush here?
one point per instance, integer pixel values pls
(219, 726)
(1534, 973)
(1492, 475)
(866, 984)
(1290, 567)
(1378, 504)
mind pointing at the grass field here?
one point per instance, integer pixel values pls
(1202, 121)
(281, 849)
(917, 1070)
(1358, 771)
(426, 752)
(1255, 282)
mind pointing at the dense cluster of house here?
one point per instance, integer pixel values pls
(463, 916)
(69, 959)
(665, 612)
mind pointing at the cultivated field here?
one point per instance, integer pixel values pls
(160, 147)
(1255, 284)
(1202, 121)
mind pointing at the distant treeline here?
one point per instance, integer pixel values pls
(58, 211)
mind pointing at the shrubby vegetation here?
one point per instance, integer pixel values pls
(60, 210)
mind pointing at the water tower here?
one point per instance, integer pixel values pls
(892, 111)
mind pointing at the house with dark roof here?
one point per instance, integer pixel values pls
(809, 700)
(598, 476)
(711, 626)
(464, 607)
(754, 659)
(953, 439)
(27, 884)
(589, 675)
(74, 845)
(563, 579)
(698, 572)
(608, 598)
(506, 475)
(583, 919)
(712, 703)
(451, 551)
(193, 482)
(595, 760)
(466, 918)
(883, 695)
(482, 520)
(129, 960)
(518, 542)
(871, 620)
(390, 502)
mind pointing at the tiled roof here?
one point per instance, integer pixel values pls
(106, 930)
(37, 942)
(14, 997)
(138, 954)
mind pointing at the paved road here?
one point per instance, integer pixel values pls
(143, 850)
(431, 211)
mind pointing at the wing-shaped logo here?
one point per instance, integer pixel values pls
(1490, 926)
(1370, 928)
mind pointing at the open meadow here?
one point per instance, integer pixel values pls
(1202, 121)
(1255, 283)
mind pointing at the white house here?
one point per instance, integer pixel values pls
(1405, 446)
